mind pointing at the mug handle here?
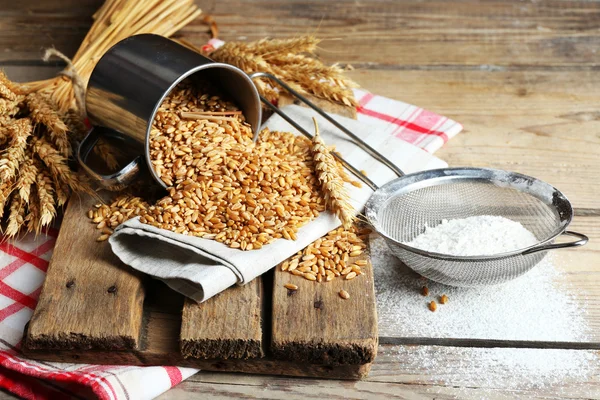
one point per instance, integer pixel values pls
(583, 239)
(115, 181)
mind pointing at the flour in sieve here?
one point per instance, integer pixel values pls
(474, 236)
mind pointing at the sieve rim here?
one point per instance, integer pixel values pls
(385, 193)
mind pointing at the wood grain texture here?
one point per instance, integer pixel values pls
(372, 34)
(225, 326)
(89, 299)
(314, 324)
(159, 346)
(541, 123)
(425, 372)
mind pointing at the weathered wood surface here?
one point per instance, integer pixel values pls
(314, 324)
(522, 77)
(225, 326)
(371, 34)
(425, 372)
(89, 299)
(159, 345)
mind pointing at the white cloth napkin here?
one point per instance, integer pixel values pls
(200, 268)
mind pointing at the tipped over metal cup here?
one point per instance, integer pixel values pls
(127, 87)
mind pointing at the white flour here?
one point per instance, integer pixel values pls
(538, 306)
(535, 306)
(474, 236)
(505, 368)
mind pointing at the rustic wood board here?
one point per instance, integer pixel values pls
(150, 324)
(226, 326)
(89, 299)
(314, 324)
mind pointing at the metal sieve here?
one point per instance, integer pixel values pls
(401, 209)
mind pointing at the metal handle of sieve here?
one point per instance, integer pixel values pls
(356, 140)
(583, 239)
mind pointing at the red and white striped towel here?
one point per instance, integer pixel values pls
(23, 267)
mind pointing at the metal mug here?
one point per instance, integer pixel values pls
(128, 85)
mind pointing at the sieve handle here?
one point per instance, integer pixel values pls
(582, 240)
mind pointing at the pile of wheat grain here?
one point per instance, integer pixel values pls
(35, 178)
(222, 185)
(333, 255)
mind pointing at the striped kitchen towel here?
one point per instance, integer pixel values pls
(23, 266)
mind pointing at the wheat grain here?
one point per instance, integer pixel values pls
(329, 255)
(332, 184)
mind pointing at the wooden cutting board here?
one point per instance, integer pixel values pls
(94, 309)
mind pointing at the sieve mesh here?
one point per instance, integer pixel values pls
(407, 206)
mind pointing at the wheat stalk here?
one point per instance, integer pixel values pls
(332, 184)
(113, 22)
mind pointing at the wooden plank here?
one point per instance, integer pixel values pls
(162, 323)
(89, 299)
(424, 372)
(313, 324)
(382, 34)
(225, 326)
(540, 123)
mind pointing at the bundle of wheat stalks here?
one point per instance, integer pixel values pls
(294, 62)
(113, 22)
(35, 178)
(40, 121)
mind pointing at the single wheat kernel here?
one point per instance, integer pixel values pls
(361, 263)
(443, 299)
(344, 295)
(432, 306)
(290, 286)
(102, 238)
(425, 291)
(309, 276)
(351, 275)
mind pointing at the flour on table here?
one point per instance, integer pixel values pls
(533, 307)
(479, 235)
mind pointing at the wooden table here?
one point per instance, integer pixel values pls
(522, 77)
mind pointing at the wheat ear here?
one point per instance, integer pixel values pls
(332, 184)
(19, 130)
(45, 193)
(27, 175)
(16, 218)
(57, 165)
(42, 112)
